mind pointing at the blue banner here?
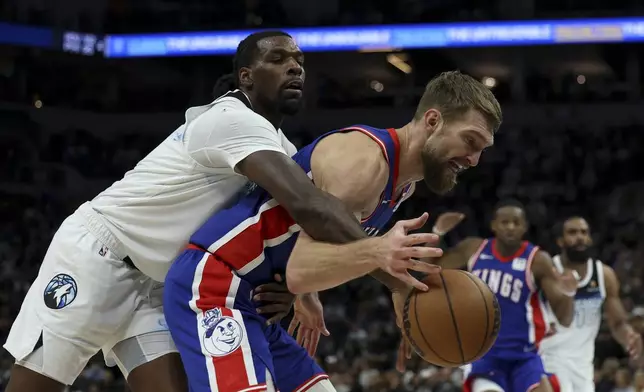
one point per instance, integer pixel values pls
(21, 35)
(329, 39)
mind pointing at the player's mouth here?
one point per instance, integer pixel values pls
(294, 87)
(456, 167)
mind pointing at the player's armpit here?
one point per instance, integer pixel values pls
(548, 280)
(458, 256)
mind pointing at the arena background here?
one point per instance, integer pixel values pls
(75, 114)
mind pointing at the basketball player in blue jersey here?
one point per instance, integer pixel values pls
(568, 352)
(224, 342)
(522, 276)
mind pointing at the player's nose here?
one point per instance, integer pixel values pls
(473, 159)
(294, 68)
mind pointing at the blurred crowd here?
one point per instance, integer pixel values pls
(118, 16)
(556, 172)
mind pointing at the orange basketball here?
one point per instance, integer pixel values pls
(455, 322)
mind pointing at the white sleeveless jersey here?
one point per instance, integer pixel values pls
(157, 205)
(577, 342)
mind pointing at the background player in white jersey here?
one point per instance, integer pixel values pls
(569, 352)
(96, 288)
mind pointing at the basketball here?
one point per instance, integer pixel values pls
(455, 322)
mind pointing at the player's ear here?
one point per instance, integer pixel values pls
(560, 242)
(246, 78)
(432, 119)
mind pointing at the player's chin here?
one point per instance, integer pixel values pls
(291, 106)
(442, 186)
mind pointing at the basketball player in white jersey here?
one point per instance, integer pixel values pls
(569, 352)
(96, 288)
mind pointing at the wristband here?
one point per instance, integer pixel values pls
(437, 232)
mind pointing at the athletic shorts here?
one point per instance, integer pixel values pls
(224, 344)
(573, 375)
(86, 299)
(502, 375)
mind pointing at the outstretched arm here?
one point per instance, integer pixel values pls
(559, 289)
(458, 256)
(618, 318)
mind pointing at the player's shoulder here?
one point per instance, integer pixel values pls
(610, 277)
(354, 152)
(230, 114)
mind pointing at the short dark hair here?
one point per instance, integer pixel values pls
(246, 54)
(509, 203)
(454, 94)
(559, 226)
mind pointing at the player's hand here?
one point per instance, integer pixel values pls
(447, 221)
(404, 349)
(276, 299)
(567, 281)
(634, 345)
(308, 319)
(397, 251)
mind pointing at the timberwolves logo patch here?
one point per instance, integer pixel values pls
(60, 291)
(223, 334)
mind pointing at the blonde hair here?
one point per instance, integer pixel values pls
(454, 94)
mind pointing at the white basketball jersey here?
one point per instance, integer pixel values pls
(157, 205)
(577, 342)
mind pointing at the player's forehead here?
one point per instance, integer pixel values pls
(576, 224)
(278, 44)
(475, 123)
(510, 212)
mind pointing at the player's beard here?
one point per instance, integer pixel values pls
(439, 176)
(289, 105)
(578, 255)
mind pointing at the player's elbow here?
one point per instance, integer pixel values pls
(294, 279)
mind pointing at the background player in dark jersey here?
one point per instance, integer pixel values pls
(521, 276)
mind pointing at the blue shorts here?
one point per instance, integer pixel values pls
(519, 375)
(224, 344)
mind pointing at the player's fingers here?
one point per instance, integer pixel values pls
(409, 280)
(276, 318)
(421, 239)
(312, 344)
(400, 359)
(418, 252)
(322, 328)
(283, 297)
(413, 224)
(300, 336)
(279, 278)
(274, 308)
(293, 325)
(420, 266)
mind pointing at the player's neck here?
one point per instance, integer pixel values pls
(272, 114)
(274, 118)
(409, 164)
(507, 250)
(565, 261)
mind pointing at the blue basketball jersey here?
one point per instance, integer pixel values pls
(255, 236)
(523, 311)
